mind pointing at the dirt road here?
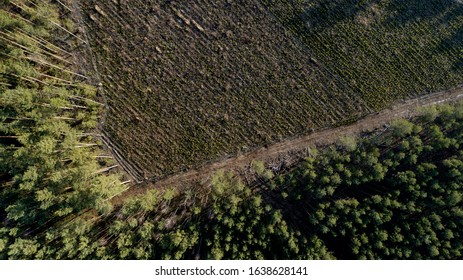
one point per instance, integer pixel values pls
(288, 150)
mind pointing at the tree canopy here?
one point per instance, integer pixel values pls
(392, 194)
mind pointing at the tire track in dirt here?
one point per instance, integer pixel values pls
(294, 147)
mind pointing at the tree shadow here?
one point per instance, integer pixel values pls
(453, 43)
(397, 14)
(402, 13)
(458, 65)
(405, 12)
(450, 11)
(328, 13)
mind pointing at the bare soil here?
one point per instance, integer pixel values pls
(188, 83)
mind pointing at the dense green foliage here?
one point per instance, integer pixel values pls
(228, 222)
(397, 195)
(50, 170)
(385, 50)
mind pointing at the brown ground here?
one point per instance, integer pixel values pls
(188, 83)
(290, 150)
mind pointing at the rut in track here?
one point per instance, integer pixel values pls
(290, 148)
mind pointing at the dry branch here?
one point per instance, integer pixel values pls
(43, 42)
(63, 5)
(68, 32)
(106, 169)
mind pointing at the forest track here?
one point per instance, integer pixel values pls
(291, 150)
